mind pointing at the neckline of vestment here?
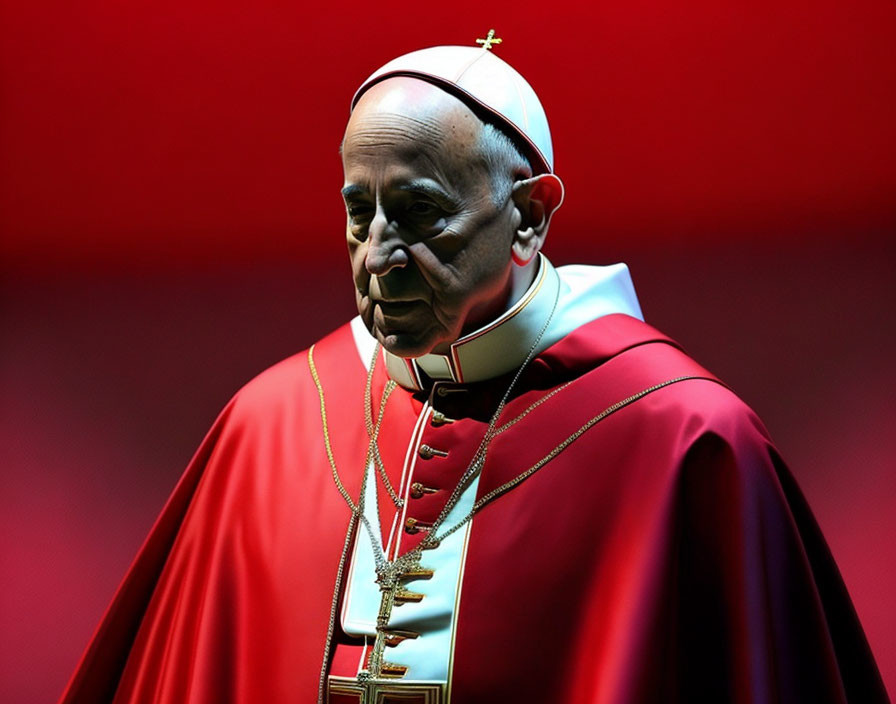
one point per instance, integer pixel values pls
(581, 294)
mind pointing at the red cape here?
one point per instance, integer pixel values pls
(664, 556)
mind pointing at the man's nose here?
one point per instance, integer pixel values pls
(385, 248)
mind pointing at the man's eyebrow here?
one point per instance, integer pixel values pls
(428, 188)
(351, 191)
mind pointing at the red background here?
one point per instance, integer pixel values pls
(171, 225)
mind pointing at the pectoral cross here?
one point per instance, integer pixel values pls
(389, 579)
(389, 583)
(489, 40)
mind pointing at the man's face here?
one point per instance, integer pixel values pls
(430, 249)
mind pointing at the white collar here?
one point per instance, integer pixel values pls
(581, 294)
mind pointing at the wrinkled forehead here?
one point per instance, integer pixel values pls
(411, 111)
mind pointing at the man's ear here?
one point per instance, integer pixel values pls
(536, 199)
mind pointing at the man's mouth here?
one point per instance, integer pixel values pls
(397, 307)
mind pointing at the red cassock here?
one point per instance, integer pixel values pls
(663, 554)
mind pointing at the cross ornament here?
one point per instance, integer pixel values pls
(389, 585)
(389, 579)
(489, 40)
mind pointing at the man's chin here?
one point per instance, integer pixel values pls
(409, 334)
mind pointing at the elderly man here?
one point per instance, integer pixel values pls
(496, 484)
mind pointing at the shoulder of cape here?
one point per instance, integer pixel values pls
(634, 396)
(635, 356)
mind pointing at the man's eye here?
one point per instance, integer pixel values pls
(422, 207)
(356, 212)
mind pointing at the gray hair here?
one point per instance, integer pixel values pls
(503, 160)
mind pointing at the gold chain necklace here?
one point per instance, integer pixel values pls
(373, 432)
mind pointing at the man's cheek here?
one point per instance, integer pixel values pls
(360, 275)
(365, 310)
(357, 251)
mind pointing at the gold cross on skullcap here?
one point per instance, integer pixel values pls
(489, 40)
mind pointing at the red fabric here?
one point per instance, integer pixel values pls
(665, 555)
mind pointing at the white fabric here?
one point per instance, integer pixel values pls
(477, 76)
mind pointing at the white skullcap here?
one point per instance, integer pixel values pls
(489, 86)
